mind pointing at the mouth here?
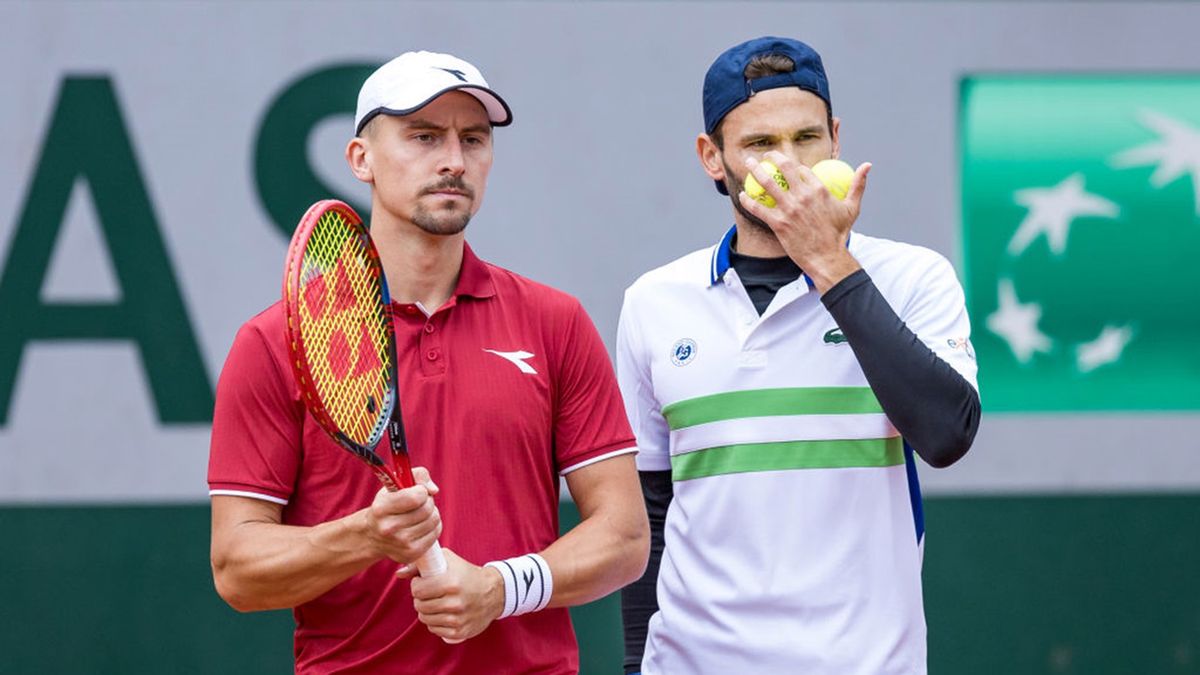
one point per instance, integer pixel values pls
(450, 189)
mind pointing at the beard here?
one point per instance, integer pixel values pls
(733, 188)
(448, 219)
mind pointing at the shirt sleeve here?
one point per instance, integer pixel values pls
(637, 390)
(257, 424)
(932, 403)
(937, 313)
(589, 424)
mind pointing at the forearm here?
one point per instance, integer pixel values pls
(609, 547)
(598, 556)
(259, 565)
(930, 404)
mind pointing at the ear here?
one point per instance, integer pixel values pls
(357, 156)
(837, 146)
(710, 157)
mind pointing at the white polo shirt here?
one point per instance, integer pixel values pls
(793, 543)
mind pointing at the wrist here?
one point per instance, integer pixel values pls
(528, 584)
(494, 593)
(826, 273)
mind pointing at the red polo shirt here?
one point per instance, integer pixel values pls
(503, 389)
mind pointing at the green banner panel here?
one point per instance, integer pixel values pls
(1098, 585)
(1081, 229)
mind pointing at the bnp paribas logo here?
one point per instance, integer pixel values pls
(1081, 217)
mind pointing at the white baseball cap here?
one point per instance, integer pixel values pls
(410, 81)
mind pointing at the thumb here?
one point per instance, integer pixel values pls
(858, 185)
(421, 477)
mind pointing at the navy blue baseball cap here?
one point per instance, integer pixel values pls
(726, 86)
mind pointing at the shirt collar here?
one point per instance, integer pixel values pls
(475, 278)
(721, 258)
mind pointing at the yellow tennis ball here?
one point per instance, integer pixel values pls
(758, 192)
(836, 175)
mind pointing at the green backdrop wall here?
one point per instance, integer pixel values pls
(1087, 585)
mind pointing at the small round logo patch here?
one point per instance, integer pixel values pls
(683, 352)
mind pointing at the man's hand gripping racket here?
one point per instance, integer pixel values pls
(343, 343)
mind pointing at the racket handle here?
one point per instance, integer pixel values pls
(433, 562)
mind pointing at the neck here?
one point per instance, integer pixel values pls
(753, 240)
(421, 267)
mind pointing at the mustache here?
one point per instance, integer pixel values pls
(450, 183)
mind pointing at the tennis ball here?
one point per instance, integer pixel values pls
(758, 192)
(836, 175)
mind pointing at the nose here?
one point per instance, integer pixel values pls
(452, 163)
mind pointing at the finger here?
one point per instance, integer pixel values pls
(765, 177)
(802, 173)
(441, 621)
(422, 477)
(450, 634)
(858, 185)
(755, 207)
(401, 501)
(408, 524)
(406, 571)
(449, 605)
(795, 173)
(419, 535)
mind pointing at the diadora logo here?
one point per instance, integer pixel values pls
(457, 73)
(516, 358)
(834, 336)
(683, 352)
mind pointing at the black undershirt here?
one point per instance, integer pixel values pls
(932, 406)
(763, 277)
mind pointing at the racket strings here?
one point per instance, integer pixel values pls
(346, 328)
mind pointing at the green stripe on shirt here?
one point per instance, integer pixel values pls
(771, 402)
(782, 456)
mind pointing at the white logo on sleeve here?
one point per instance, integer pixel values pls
(517, 359)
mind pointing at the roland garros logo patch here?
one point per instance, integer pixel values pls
(684, 352)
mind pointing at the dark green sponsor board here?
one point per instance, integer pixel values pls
(1081, 234)
(1101, 585)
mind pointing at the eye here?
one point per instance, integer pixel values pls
(423, 138)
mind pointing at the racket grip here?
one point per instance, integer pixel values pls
(433, 562)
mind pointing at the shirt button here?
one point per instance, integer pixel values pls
(432, 355)
(409, 309)
(428, 328)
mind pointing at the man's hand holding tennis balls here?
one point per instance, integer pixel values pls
(811, 223)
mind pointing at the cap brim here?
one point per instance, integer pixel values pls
(499, 114)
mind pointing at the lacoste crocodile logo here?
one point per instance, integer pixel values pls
(834, 337)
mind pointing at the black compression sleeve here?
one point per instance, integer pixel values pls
(933, 407)
(639, 600)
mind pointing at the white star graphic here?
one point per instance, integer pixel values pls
(1017, 324)
(1176, 152)
(1105, 349)
(1051, 211)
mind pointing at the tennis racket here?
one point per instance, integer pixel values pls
(343, 344)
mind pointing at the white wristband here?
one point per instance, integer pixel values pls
(527, 584)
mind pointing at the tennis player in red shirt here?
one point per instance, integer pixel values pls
(506, 386)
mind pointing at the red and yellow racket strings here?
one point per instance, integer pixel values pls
(344, 327)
